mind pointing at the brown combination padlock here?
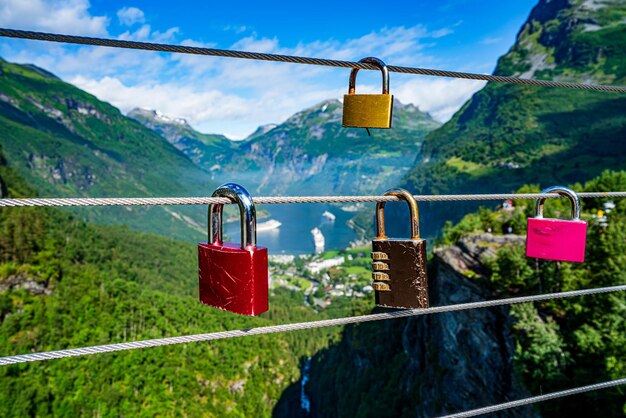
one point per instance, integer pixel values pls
(399, 265)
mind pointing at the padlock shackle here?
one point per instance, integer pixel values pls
(237, 194)
(414, 213)
(563, 191)
(377, 62)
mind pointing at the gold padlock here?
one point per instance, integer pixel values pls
(368, 110)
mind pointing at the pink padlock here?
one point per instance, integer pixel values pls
(557, 239)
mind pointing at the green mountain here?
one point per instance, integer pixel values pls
(65, 142)
(509, 135)
(309, 153)
(66, 283)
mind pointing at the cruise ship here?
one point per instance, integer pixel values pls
(318, 239)
(268, 225)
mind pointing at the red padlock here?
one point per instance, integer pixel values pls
(233, 277)
(557, 239)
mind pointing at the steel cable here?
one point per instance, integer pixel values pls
(535, 399)
(135, 201)
(149, 46)
(74, 352)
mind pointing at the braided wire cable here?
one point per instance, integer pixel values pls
(136, 201)
(535, 399)
(108, 348)
(150, 46)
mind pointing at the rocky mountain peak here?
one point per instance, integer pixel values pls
(328, 111)
(261, 130)
(156, 117)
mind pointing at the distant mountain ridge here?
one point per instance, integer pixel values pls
(309, 151)
(205, 150)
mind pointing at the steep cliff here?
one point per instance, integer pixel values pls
(424, 366)
(450, 362)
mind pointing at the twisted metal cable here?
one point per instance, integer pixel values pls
(535, 399)
(149, 46)
(136, 201)
(74, 352)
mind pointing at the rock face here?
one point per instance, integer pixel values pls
(558, 42)
(466, 356)
(467, 254)
(26, 282)
(422, 366)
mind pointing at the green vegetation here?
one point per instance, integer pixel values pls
(65, 283)
(468, 167)
(418, 366)
(509, 135)
(65, 142)
(570, 342)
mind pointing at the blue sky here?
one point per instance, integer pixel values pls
(235, 96)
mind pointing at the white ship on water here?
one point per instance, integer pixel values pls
(318, 239)
(329, 216)
(268, 225)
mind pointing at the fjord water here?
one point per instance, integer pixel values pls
(294, 235)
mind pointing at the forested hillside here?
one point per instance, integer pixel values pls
(65, 283)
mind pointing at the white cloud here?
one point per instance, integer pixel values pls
(236, 28)
(66, 16)
(227, 95)
(441, 97)
(251, 43)
(128, 16)
(169, 98)
(211, 108)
